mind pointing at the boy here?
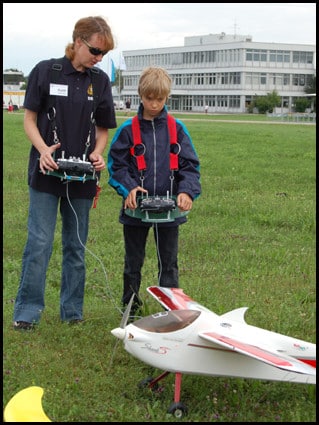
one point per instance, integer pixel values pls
(153, 178)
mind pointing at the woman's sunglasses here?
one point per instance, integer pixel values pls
(94, 50)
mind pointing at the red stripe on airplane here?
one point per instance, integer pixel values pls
(255, 351)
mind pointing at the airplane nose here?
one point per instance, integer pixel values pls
(119, 333)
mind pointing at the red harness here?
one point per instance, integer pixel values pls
(137, 140)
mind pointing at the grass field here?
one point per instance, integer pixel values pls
(249, 241)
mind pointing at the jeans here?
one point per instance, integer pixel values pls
(43, 207)
(135, 237)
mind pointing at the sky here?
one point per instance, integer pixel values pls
(36, 31)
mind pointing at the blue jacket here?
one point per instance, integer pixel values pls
(157, 178)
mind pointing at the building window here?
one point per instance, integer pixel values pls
(222, 101)
(178, 79)
(224, 78)
(199, 79)
(234, 78)
(279, 56)
(286, 79)
(234, 101)
(256, 55)
(186, 80)
(299, 79)
(302, 57)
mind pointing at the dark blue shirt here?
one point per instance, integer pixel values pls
(157, 178)
(73, 120)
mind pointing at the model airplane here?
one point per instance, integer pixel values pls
(191, 339)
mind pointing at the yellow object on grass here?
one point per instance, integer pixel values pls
(26, 406)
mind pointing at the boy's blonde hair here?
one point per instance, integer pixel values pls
(154, 81)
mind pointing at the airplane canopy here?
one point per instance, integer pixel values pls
(167, 321)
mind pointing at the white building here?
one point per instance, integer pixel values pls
(12, 81)
(224, 72)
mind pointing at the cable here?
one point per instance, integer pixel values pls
(160, 267)
(92, 253)
(104, 271)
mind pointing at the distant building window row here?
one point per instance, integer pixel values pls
(256, 55)
(278, 56)
(229, 56)
(217, 101)
(301, 80)
(302, 57)
(205, 78)
(278, 80)
(231, 78)
(212, 56)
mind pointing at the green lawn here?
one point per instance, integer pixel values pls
(249, 241)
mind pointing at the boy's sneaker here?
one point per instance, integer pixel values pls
(24, 326)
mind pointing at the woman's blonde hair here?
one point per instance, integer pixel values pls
(154, 81)
(85, 28)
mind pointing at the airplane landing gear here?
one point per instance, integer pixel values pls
(177, 408)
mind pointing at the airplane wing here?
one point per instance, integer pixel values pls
(265, 355)
(175, 299)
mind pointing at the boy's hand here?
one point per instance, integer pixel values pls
(184, 202)
(130, 201)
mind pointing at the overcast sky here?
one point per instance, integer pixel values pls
(37, 31)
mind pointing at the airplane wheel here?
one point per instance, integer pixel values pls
(145, 383)
(177, 409)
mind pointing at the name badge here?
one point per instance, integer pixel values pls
(58, 89)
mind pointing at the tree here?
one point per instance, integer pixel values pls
(267, 103)
(13, 70)
(311, 85)
(119, 83)
(301, 104)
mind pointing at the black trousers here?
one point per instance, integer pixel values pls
(135, 237)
